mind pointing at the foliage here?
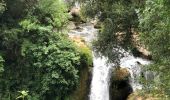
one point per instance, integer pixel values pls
(2, 7)
(1, 65)
(116, 32)
(56, 57)
(154, 23)
(38, 57)
(156, 33)
(85, 56)
(23, 95)
(157, 95)
(55, 12)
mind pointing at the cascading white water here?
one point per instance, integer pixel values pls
(101, 70)
(100, 75)
(134, 66)
(100, 80)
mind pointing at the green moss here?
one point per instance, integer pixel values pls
(82, 90)
(81, 93)
(85, 56)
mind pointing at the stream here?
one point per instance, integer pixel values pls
(101, 73)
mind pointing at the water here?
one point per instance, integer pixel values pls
(100, 80)
(134, 66)
(102, 70)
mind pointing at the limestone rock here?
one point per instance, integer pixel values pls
(75, 12)
(122, 74)
(120, 87)
(79, 41)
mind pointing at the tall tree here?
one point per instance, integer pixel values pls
(119, 19)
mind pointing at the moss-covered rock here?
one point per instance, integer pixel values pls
(82, 91)
(121, 74)
(85, 51)
(120, 87)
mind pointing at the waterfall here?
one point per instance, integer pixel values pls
(100, 80)
(134, 66)
(101, 69)
(99, 89)
(77, 4)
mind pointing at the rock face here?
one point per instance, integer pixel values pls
(75, 12)
(122, 74)
(76, 15)
(81, 93)
(140, 50)
(120, 87)
(97, 24)
(82, 90)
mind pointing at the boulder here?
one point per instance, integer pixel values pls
(122, 74)
(82, 91)
(76, 15)
(139, 49)
(97, 24)
(75, 12)
(120, 87)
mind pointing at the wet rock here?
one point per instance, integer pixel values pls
(75, 12)
(122, 74)
(82, 91)
(141, 52)
(71, 25)
(76, 15)
(97, 25)
(120, 87)
(78, 28)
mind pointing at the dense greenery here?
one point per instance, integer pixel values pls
(155, 34)
(38, 61)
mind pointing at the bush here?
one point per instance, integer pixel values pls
(39, 58)
(86, 57)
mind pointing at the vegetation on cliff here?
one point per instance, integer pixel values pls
(37, 60)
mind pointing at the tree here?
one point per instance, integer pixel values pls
(36, 55)
(155, 34)
(119, 19)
